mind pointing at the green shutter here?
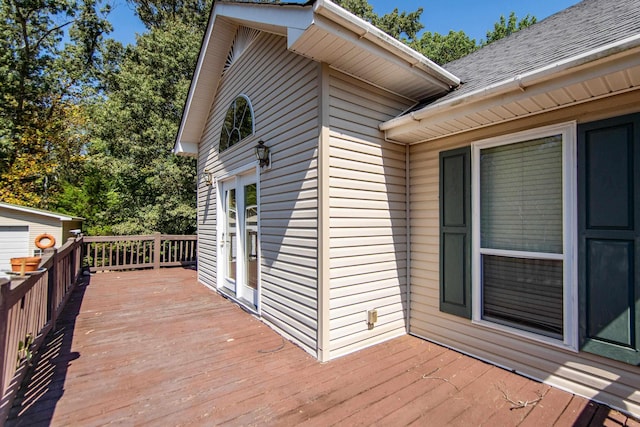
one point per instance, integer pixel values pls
(455, 232)
(609, 237)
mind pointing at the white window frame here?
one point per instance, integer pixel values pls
(569, 224)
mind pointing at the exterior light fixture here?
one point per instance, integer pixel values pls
(207, 177)
(262, 154)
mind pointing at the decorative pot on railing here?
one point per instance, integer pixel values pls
(25, 264)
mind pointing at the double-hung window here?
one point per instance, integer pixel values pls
(523, 204)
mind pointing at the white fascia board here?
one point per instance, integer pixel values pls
(183, 148)
(196, 76)
(34, 211)
(284, 16)
(366, 30)
(519, 82)
(293, 34)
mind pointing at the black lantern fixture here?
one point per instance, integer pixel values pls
(207, 177)
(262, 153)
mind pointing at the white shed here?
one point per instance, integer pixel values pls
(20, 225)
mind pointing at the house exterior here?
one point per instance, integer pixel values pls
(20, 225)
(489, 205)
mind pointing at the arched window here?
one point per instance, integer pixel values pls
(238, 123)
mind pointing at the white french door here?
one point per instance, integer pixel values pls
(238, 238)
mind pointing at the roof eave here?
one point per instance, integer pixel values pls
(34, 211)
(370, 32)
(628, 48)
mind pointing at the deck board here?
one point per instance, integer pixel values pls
(157, 348)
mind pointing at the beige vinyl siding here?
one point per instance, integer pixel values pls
(367, 217)
(283, 90)
(592, 376)
(38, 224)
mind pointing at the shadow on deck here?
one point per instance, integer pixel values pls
(156, 347)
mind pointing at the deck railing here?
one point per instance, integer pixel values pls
(105, 253)
(29, 309)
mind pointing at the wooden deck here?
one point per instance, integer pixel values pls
(157, 348)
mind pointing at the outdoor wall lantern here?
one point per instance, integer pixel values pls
(207, 177)
(262, 154)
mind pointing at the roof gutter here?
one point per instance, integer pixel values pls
(365, 30)
(519, 82)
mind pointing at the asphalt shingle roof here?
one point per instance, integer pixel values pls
(578, 29)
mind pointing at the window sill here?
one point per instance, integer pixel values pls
(530, 336)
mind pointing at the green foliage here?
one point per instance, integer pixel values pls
(440, 48)
(159, 13)
(445, 48)
(42, 87)
(133, 129)
(24, 350)
(403, 26)
(503, 28)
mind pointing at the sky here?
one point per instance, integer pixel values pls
(474, 17)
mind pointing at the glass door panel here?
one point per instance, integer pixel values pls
(250, 238)
(239, 240)
(230, 238)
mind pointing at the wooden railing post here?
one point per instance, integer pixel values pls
(156, 250)
(52, 287)
(72, 261)
(4, 320)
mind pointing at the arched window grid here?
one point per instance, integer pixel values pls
(238, 123)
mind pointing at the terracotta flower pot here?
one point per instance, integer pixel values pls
(30, 264)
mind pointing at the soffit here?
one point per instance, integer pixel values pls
(357, 55)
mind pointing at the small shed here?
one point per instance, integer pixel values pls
(20, 225)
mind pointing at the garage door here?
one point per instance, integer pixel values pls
(14, 242)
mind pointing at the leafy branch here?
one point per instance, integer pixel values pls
(24, 350)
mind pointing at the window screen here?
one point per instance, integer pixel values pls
(521, 200)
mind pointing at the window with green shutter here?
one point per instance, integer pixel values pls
(512, 210)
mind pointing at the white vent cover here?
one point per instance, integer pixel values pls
(244, 37)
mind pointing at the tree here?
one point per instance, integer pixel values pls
(445, 48)
(403, 26)
(46, 155)
(87, 125)
(148, 188)
(406, 26)
(142, 185)
(42, 82)
(157, 13)
(503, 28)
